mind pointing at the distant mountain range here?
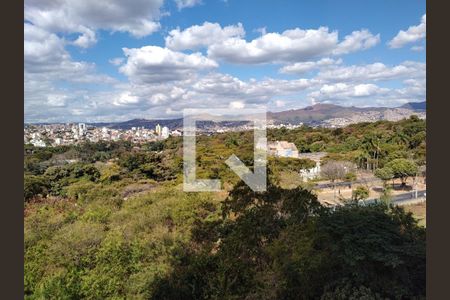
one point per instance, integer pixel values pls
(323, 112)
(171, 123)
(319, 114)
(416, 105)
(316, 114)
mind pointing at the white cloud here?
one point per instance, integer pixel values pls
(86, 39)
(152, 64)
(280, 103)
(417, 48)
(126, 99)
(356, 41)
(116, 61)
(45, 58)
(168, 98)
(41, 47)
(261, 30)
(294, 45)
(163, 81)
(138, 17)
(304, 67)
(343, 92)
(291, 45)
(369, 94)
(46, 65)
(187, 3)
(56, 99)
(373, 72)
(411, 35)
(203, 35)
(226, 86)
(237, 104)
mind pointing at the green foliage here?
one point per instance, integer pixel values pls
(385, 173)
(34, 186)
(281, 244)
(156, 146)
(370, 145)
(110, 173)
(402, 168)
(149, 165)
(98, 247)
(360, 193)
(350, 176)
(386, 196)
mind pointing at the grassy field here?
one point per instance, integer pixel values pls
(419, 211)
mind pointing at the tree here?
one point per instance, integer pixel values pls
(34, 186)
(403, 168)
(371, 145)
(335, 170)
(279, 244)
(384, 174)
(354, 252)
(360, 193)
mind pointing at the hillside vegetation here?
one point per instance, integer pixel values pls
(110, 221)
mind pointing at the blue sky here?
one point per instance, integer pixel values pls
(279, 54)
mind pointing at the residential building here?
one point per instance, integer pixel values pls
(282, 149)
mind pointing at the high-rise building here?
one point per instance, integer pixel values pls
(81, 129)
(165, 132)
(158, 130)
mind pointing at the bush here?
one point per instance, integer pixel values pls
(34, 186)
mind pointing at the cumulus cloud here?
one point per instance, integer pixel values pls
(187, 3)
(343, 92)
(203, 35)
(304, 67)
(47, 64)
(294, 45)
(162, 81)
(43, 51)
(368, 94)
(139, 99)
(125, 99)
(356, 41)
(411, 35)
(137, 17)
(291, 45)
(152, 64)
(56, 99)
(46, 58)
(237, 104)
(373, 72)
(86, 39)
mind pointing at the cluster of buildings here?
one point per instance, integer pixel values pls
(68, 134)
(287, 126)
(394, 114)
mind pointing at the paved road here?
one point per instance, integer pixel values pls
(405, 197)
(345, 183)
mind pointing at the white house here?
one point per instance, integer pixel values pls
(282, 149)
(311, 173)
